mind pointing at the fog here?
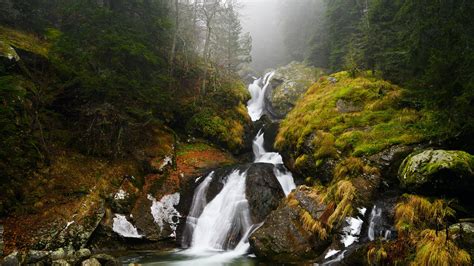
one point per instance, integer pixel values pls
(281, 30)
(261, 19)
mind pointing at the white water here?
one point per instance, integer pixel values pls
(227, 213)
(256, 105)
(210, 226)
(374, 216)
(262, 156)
(164, 211)
(197, 206)
(124, 228)
(352, 231)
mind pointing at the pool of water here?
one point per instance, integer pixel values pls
(184, 257)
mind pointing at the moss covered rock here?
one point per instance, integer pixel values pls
(289, 84)
(295, 231)
(435, 171)
(341, 117)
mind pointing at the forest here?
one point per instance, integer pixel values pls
(243, 132)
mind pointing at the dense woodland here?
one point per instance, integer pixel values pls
(424, 45)
(112, 68)
(96, 77)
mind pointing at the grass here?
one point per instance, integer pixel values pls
(434, 249)
(416, 212)
(319, 128)
(23, 40)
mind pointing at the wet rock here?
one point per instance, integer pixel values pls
(106, 259)
(389, 160)
(438, 171)
(82, 254)
(13, 259)
(283, 237)
(463, 233)
(264, 192)
(34, 256)
(91, 262)
(58, 254)
(288, 84)
(60, 263)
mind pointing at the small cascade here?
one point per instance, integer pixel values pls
(256, 105)
(197, 206)
(225, 218)
(224, 223)
(285, 178)
(262, 156)
(377, 228)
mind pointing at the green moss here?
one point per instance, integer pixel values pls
(22, 40)
(355, 116)
(224, 117)
(423, 167)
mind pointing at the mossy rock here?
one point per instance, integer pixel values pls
(434, 171)
(289, 83)
(342, 116)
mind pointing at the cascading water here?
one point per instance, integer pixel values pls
(256, 105)
(224, 224)
(227, 214)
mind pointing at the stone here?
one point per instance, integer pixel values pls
(283, 237)
(345, 106)
(34, 256)
(106, 259)
(289, 83)
(438, 172)
(61, 262)
(82, 254)
(58, 254)
(463, 234)
(12, 259)
(264, 192)
(91, 262)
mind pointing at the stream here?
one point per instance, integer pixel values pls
(212, 227)
(217, 232)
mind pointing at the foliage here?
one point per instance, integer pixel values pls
(222, 117)
(434, 249)
(415, 213)
(350, 117)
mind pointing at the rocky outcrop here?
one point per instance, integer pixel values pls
(289, 83)
(438, 171)
(286, 236)
(463, 234)
(264, 192)
(59, 257)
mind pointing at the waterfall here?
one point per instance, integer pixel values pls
(262, 156)
(256, 104)
(224, 224)
(376, 225)
(197, 206)
(227, 214)
(285, 178)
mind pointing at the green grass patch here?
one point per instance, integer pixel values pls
(357, 117)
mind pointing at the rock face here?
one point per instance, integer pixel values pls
(283, 237)
(289, 83)
(438, 171)
(263, 191)
(464, 236)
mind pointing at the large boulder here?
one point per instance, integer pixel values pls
(264, 192)
(284, 237)
(289, 83)
(438, 171)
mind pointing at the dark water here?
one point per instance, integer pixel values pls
(181, 257)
